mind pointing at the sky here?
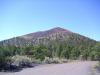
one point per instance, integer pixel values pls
(20, 17)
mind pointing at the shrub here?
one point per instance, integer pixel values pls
(64, 60)
(48, 60)
(22, 61)
(36, 61)
(56, 60)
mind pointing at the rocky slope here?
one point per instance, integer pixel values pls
(45, 37)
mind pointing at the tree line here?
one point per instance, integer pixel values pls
(60, 50)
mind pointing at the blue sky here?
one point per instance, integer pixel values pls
(19, 17)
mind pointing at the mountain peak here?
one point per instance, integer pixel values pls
(46, 37)
(59, 29)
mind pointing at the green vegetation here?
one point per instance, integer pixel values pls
(77, 47)
(55, 49)
(54, 60)
(21, 60)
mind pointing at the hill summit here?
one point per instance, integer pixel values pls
(45, 37)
